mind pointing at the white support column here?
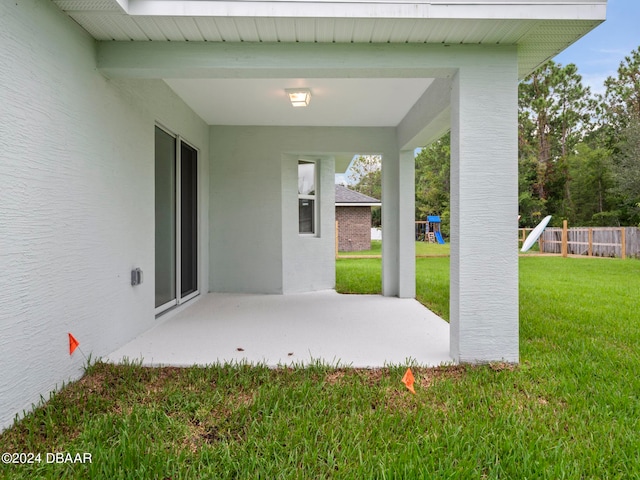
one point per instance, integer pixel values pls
(398, 211)
(484, 208)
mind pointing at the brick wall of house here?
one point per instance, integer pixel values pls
(354, 228)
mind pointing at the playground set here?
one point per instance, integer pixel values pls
(429, 231)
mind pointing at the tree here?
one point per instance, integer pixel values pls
(627, 171)
(592, 179)
(620, 104)
(554, 116)
(534, 102)
(572, 109)
(433, 166)
(530, 205)
(620, 130)
(366, 176)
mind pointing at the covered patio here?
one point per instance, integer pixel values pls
(276, 330)
(157, 137)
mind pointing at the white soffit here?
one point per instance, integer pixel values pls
(540, 28)
(362, 102)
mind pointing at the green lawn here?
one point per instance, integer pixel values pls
(570, 410)
(422, 249)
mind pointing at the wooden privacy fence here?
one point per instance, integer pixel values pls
(621, 242)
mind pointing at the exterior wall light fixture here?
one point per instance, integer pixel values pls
(299, 97)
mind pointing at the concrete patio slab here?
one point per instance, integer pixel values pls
(346, 330)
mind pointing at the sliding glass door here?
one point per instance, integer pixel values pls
(176, 220)
(166, 191)
(189, 220)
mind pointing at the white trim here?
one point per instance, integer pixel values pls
(196, 292)
(190, 296)
(315, 197)
(427, 9)
(178, 224)
(174, 301)
(167, 306)
(178, 299)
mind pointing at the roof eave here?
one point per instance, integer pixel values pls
(356, 204)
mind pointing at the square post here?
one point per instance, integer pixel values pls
(484, 211)
(398, 214)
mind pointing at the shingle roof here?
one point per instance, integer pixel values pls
(345, 195)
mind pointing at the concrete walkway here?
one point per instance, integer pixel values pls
(349, 330)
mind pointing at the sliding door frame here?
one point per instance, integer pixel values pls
(178, 298)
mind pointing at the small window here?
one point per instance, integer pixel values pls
(307, 203)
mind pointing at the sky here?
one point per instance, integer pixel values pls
(599, 53)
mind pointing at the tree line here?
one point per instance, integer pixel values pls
(578, 152)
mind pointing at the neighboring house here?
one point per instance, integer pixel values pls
(159, 135)
(353, 217)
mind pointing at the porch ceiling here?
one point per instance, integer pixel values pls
(341, 102)
(223, 87)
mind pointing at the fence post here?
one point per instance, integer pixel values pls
(565, 235)
(590, 242)
(623, 243)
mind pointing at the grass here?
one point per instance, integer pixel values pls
(422, 249)
(432, 274)
(571, 409)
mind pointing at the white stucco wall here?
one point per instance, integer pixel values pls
(76, 201)
(254, 244)
(246, 230)
(308, 261)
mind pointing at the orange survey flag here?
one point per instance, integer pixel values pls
(73, 344)
(408, 380)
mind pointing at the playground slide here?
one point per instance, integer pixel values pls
(439, 238)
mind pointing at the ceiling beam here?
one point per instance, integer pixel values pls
(286, 60)
(428, 119)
